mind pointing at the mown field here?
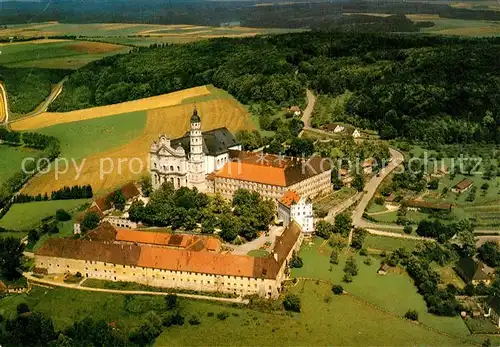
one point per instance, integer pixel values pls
(28, 215)
(60, 54)
(394, 292)
(342, 320)
(11, 159)
(100, 136)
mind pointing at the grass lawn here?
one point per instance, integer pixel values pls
(258, 253)
(25, 216)
(327, 202)
(65, 230)
(390, 217)
(374, 208)
(341, 321)
(80, 139)
(384, 243)
(11, 159)
(394, 292)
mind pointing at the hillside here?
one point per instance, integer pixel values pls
(434, 89)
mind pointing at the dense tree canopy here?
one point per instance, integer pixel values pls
(435, 89)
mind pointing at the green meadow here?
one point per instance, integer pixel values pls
(11, 159)
(28, 215)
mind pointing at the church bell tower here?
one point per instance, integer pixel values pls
(196, 155)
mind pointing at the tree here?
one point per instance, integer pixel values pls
(407, 229)
(334, 257)
(89, 332)
(300, 147)
(34, 329)
(343, 224)
(146, 185)
(433, 184)
(358, 237)
(324, 229)
(11, 253)
(90, 221)
(411, 315)
(171, 301)
(358, 182)
(489, 252)
(292, 303)
(194, 319)
(136, 211)
(337, 289)
(208, 223)
(62, 215)
(229, 226)
(118, 200)
(351, 267)
(296, 261)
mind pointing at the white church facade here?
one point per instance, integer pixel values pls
(186, 161)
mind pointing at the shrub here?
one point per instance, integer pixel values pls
(412, 315)
(210, 314)
(363, 252)
(296, 261)
(171, 301)
(22, 308)
(347, 278)
(222, 315)
(194, 320)
(62, 215)
(334, 257)
(337, 289)
(368, 261)
(292, 303)
(379, 200)
(407, 229)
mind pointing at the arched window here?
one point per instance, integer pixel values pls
(178, 182)
(178, 168)
(171, 168)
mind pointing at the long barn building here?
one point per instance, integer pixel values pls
(171, 268)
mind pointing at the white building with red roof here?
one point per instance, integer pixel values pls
(291, 207)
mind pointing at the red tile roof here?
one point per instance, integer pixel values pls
(464, 184)
(289, 198)
(274, 176)
(176, 260)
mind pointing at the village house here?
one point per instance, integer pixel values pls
(291, 207)
(295, 110)
(368, 165)
(102, 206)
(462, 186)
(383, 269)
(342, 130)
(472, 271)
(163, 267)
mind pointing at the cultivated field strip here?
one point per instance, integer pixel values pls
(173, 121)
(52, 118)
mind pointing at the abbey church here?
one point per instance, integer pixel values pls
(213, 162)
(188, 160)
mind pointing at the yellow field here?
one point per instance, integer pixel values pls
(422, 17)
(52, 118)
(3, 103)
(41, 41)
(173, 121)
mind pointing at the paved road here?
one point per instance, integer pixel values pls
(4, 110)
(306, 115)
(258, 242)
(77, 286)
(371, 187)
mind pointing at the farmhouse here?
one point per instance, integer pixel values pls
(342, 129)
(291, 207)
(368, 165)
(383, 269)
(173, 268)
(187, 160)
(472, 271)
(462, 186)
(272, 175)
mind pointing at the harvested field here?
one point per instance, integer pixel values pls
(52, 118)
(3, 105)
(94, 47)
(41, 41)
(130, 161)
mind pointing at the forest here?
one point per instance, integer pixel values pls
(313, 15)
(423, 88)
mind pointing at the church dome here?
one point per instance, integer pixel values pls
(195, 118)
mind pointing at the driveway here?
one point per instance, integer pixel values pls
(258, 242)
(306, 115)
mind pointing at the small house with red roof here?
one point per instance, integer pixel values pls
(291, 207)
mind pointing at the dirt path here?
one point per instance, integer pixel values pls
(399, 235)
(77, 286)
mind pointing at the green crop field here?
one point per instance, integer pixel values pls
(383, 243)
(25, 216)
(86, 137)
(11, 159)
(64, 54)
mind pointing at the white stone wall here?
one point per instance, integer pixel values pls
(313, 186)
(120, 222)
